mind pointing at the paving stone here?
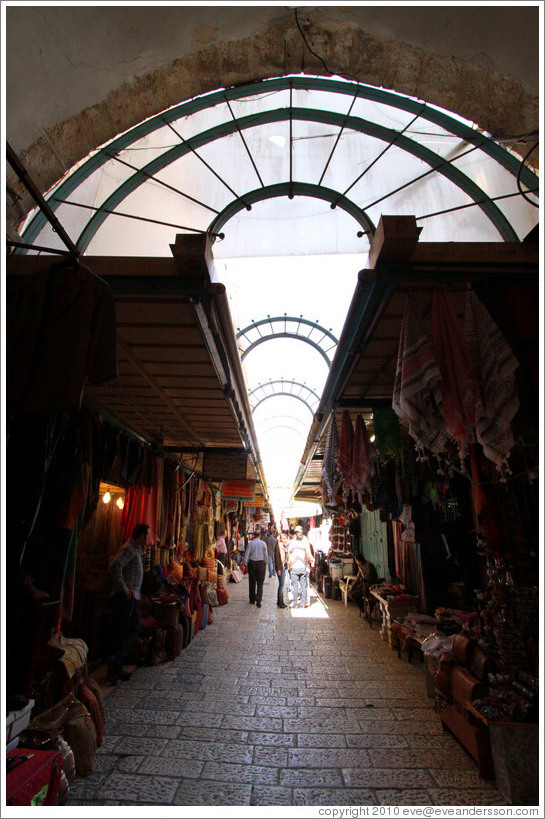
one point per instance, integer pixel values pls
(197, 718)
(128, 764)
(279, 711)
(367, 740)
(398, 796)
(138, 745)
(328, 758)
(268, 739)
(207, 734)
(138, 790)
(321, 741)
(333, 796)
(472, 796)
(214, 751)
(271, 795)
(241, 773)
(159, 731)
(457, 779)
(267, 700)
(268, 724)
(85, 787)
(277, 757)
(186, 767)
(311, 777)
(387, 778)
(455, 758)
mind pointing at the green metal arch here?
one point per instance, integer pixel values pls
(292, 189)
(312, 115)
(283, 392)
(457, 128)
(286, 334)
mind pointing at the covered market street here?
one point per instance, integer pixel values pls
(279, 707)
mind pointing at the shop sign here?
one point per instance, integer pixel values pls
(224, 464)
(239, 490)
(257, 501)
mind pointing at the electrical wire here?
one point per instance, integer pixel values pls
(521, 166)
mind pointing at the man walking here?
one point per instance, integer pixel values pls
(280, 566)
(271, 541)
(127, 571)
(255, 558)
(299, 560)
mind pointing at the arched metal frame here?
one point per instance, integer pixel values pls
(412, 106)
(283, 320)
(303, 391)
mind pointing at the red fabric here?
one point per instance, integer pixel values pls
(459, 381)
(36, 778)
(142, 505)
(346, 451)
(363, 460)
(417, 395)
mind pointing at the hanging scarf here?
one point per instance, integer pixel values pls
(346, 452)
(459, 381)
(331, 477)
(363, 461)
(495, 366)
(417, 396)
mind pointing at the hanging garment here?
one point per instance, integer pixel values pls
(363, 461)
(331, 477)
(345, 455)
(387, 435)
(495, 366)
(417, 396)
(61, 334)
(459, 381)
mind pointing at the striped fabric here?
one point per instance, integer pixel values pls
(363, 461)
(331, 477)
(346, 452)
(495, 367)
(418, 396)
(460, 388)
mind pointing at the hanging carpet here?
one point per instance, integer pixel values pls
(331, 477)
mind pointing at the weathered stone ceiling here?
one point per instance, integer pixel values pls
(77, 76)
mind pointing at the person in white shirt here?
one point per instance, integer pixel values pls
(255, 559)
(300, 558)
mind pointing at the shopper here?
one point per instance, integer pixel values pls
(359, 590)
(299, 559)
(271, 542)
(127, 571)
(280, 567)
(255, 558)
(221, 547)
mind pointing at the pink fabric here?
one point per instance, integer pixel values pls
(363, 461)
(331, 477)
(417, 396)
(460, 388)
(495, 367)
(142, 505)
(346, 452)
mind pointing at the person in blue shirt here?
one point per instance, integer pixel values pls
(255, 558)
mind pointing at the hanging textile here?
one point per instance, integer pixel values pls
(495, 367)
(345, 455)
(387, 436)
(417, 396)
(459, 381)
(331, 477)
(363, 461)
(142, 505)
(45, 309)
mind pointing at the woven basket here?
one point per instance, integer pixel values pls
(221, 583)
(212, 575)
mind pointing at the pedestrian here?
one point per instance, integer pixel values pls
(255, 558)
(299, 559)
(271, 542)
(127, 571)
(359, 589)
(280, 567)
(221, 547)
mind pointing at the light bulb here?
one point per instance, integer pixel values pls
(120, 503)
(106, 498)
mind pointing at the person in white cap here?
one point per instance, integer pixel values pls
(300, 558)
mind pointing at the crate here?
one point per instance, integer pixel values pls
(17, 721)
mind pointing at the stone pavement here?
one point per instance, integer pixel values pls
(272, 707)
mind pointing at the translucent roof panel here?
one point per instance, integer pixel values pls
(290, 177)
